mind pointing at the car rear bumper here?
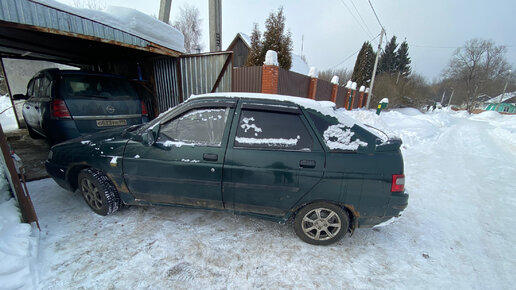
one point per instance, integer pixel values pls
(58, 173)
(397, 203)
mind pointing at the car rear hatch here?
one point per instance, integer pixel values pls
(99, 102)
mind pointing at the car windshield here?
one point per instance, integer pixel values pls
(91, 86)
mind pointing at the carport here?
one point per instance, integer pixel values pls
(120, 41)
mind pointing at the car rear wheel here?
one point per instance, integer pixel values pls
(98, 191)
(321, 223)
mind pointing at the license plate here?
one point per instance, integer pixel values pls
(111, 123)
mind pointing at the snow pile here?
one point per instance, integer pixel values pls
(271, 58)
(313, 73)
(131, 21)
(7, 118)
(17, 245)
(335, 80)
(457, 232)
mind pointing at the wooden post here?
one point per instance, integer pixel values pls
(23, 197)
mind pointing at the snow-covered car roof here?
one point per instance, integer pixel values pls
(322, 107)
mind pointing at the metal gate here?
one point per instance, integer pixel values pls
(176, 79)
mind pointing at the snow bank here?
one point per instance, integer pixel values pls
(7, 117)
(130, 21)
(17, 244)
(457, 232)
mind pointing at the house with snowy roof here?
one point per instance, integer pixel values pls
(503, 103)
(241, 45)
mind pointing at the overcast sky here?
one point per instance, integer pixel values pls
(433, 29)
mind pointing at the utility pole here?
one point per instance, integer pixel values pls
(215, 25)
(452, 91)
(374, 69)
(503, 94)
(164, 10)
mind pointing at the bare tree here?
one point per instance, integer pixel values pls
(189, 23)
(474, 67)
(343, 74)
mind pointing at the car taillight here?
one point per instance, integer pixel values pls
(398, 182)
(59, 109)
(144, 109)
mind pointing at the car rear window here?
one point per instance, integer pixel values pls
(81, 86)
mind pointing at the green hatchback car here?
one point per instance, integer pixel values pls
(270, 156)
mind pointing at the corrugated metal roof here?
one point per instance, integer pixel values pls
(55, 20)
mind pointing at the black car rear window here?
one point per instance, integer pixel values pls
(81, 86)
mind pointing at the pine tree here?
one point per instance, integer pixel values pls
(255, 52)
(403, 60)
(274, 38)
(387, 63)
(364, 65)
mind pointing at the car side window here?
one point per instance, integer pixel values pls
(272, 130)
(44, 86)
(204, 127)
(30, 88)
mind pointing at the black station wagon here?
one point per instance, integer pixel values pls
(65, 104)
(275, 157)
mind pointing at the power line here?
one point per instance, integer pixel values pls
(356, 19)
(354, 6)
(376, 15)
(354, 53)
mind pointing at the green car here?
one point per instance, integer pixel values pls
(270, 156)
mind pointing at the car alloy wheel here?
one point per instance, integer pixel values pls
(98, 191)
(321, 223)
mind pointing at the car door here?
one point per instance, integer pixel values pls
(273, 159)
(185, 165)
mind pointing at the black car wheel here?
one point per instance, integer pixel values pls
(321, 223)
(98, 191)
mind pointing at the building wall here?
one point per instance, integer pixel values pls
(240, 52)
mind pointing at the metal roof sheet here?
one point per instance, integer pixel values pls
(57, 21)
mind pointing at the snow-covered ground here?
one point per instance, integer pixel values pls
(457, 232)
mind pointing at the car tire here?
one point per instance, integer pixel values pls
(33, 133)
(321, 223)
(98, 191)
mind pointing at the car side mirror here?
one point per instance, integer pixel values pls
(150, 135)
(18, 97)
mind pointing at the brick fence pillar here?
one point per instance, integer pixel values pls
(334, 89)
(361, 99)
(270, 77)
(366, 95)
(312, 88)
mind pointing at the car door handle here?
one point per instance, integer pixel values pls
(210, 157)
(307, 163)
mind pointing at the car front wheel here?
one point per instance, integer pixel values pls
(98, 191)
(321, 223)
